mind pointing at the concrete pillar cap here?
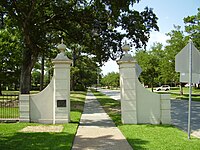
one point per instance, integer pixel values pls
(61, 56)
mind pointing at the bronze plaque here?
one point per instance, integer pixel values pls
(61, 103)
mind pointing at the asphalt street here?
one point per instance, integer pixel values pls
(179, 112)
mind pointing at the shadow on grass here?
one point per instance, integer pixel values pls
(77, 100)
(137, 144)
(158, 126)
(29, 141)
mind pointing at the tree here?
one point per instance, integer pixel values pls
(192, 27)
(176, 43)
(149, 62)
(78, 22)
(84, 73)
(10, 56)
(111, 80)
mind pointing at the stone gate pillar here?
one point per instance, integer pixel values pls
(139, 105)
(51, 105)
(128, 87)
(61, 95)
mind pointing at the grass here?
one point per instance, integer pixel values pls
(151, 137)
(112, 107)
(175, 93)
(77, 104)
(158, 137)
(12, 112)
(17, 92)
(11, 138)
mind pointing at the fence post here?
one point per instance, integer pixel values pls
(24, 109)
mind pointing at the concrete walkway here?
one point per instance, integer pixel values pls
(97, 131)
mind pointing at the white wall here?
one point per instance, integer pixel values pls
(138, 105)
(148, 105)
(41, 105)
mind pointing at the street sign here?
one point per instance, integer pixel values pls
(182, 59)
(185, 76)
(187, 62)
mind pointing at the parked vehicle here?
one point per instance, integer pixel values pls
(163, 88)
(187, 85)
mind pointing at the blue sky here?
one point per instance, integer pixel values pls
(169, 13)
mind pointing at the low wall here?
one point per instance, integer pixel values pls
(41, 105)
(140, 106)
(148, 105)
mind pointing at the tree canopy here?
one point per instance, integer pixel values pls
(192, 27)
(111, 80)
(91, 23)
(10, 57)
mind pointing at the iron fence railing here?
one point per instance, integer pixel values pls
(9, 107)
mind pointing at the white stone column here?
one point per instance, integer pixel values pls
(165, 109)
(128, 88)
(24, 109)
(61, 100)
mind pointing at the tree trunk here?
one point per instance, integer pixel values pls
(42, 73)
(73, 65)
(28, 62)
(0, 89)
(151, 86)
(181, 89)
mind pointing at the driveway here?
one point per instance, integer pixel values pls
(179, 112)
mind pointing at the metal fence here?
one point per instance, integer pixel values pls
(9, 107)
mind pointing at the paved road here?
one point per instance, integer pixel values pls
(114, 94)
(179, 112)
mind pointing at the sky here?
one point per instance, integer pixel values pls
(169, 13)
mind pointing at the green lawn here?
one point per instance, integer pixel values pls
(77, 100)
(175, 93)
(12, 112)
(158, 137)
(11, 138)
(151, 137)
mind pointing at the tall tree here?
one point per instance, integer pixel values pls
(10, 56)
(149, 62)
(78, 21)
(111, 80)
(175, 44)
(84, 73)
(192, 27)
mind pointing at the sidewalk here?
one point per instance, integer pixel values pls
(96, 130)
